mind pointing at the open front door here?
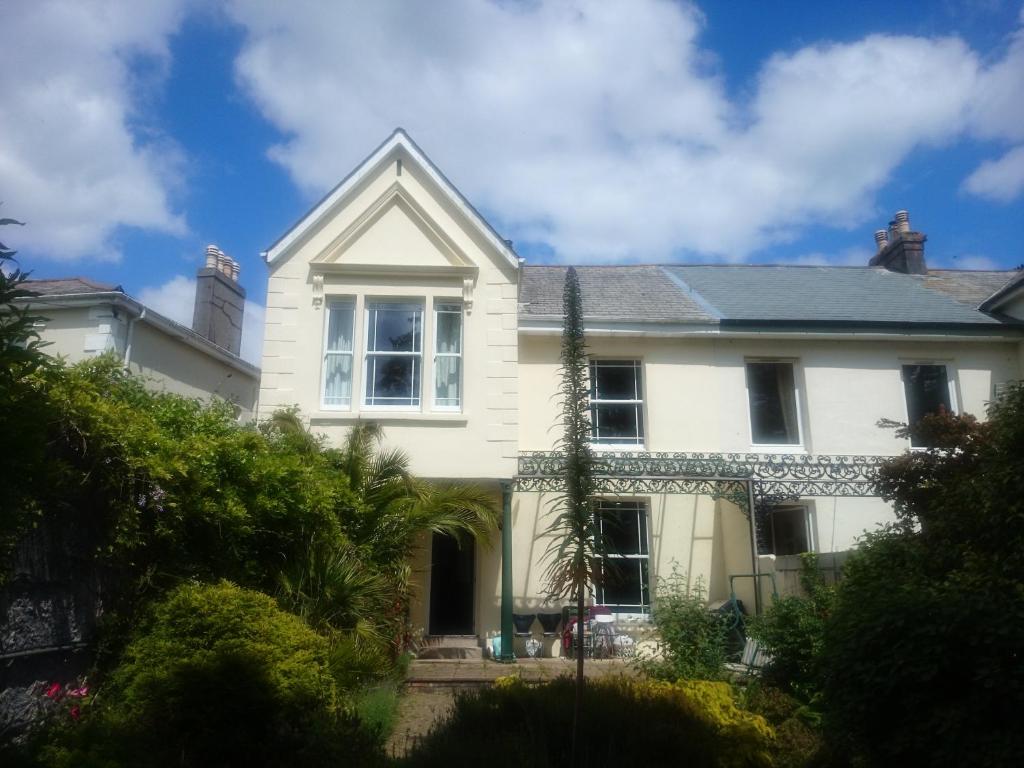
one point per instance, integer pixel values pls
(452, 567)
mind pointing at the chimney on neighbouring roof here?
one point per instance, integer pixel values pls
(899, 248)
(220, 301)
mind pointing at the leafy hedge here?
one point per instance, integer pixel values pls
(217, 675)
(624, 722)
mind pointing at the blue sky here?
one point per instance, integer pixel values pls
(601, 132)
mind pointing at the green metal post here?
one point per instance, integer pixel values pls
(507, 652)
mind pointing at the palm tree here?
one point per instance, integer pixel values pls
(394, 509)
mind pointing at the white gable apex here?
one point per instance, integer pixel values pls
(399, 139)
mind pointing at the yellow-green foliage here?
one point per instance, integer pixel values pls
(624, 722)
(218, 675)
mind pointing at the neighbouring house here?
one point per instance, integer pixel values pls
(734, 407)
(84, 318)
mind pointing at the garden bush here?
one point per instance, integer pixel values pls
(692, 640)
(217, 675)
(792, 630)
(624, 722)
(923, 659)
(798, 738)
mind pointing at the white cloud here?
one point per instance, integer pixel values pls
(1001, 180)
(847, 257)
(71, 164)
(176, 298)
(603, 128)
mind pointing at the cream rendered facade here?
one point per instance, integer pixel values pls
(170, 357)
(397, 232)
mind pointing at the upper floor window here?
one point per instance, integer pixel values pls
(616, 402)
(774, 414)
(338, 350)
(448, 356)
(625, 578)
(929, 390)
(394, 354)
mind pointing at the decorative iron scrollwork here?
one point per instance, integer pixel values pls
(721, 475)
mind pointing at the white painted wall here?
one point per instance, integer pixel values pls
(398, 236)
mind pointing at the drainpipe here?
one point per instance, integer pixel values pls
(507, 652)
(756, 570)
(130, 336)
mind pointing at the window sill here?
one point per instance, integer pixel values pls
(797, 450)
(617, 448)
(351, 417)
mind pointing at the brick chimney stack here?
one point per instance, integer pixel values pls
(220, 301)
(900, 249)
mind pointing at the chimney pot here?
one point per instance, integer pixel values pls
(881, 239)
(211, 256)
(902, 219)
(235, 269)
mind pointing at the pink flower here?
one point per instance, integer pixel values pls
(75, 713)
(79, 693)
(53, 691)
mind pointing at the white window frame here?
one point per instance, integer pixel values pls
(954, 405)
(332, 305)
(797, 447)
(638, 365)
(437, 306)
(809, 534)
(371, 305)
(643, 555)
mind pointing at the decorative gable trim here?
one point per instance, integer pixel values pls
(394, 196)
(399, 140)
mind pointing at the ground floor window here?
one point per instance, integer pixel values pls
(787, 530)
(625, 586)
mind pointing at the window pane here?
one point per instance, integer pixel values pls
(772, 393)
(927, 388)
(625, 585)
(338, 380)
(617, 424)
(395, 328)
(447, 372)
(339, 328)
(449, 330)
(615, 380)
(622, 530)
(392, 380)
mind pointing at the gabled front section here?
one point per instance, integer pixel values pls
(392, 301)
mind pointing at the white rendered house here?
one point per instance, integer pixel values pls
(715, 390)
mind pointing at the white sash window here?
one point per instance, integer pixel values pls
(448, 356)
(394, 354)
(337, 367)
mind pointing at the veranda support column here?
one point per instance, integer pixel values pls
(507, 653)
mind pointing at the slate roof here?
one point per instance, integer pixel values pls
(824, 294)
(633, 293)
(782, 295)
(70, 285)
(969, 286)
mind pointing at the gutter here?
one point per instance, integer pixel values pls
(130, 336)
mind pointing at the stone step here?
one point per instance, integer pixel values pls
(451, 647)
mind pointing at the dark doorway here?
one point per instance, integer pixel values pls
(451, 585)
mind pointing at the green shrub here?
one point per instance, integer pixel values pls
(798, 739)
(218, 675)
(692, 639)
(624, 722)
(923, 656)
(792, 630)
(377, 709)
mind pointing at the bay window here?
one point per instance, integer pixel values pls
(394, 354)
(448, 356)
(338, 351)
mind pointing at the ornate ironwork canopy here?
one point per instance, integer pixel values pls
(771, 477)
